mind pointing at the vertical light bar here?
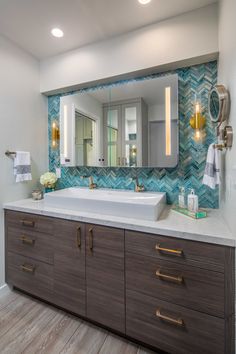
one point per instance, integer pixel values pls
(65, 131)
(168, 120)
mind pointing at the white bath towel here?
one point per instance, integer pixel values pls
(212, 170)
(22, 166)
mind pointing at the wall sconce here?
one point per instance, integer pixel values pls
(55, 135)
(198, 122)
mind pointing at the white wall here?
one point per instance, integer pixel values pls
(23, 124)
(181, 38)
(227, 76)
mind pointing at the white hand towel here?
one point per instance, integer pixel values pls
(22, 166)
(212, 170)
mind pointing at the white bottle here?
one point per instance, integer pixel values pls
(192, 201)
(182, 203)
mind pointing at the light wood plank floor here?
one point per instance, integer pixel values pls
(28, 326)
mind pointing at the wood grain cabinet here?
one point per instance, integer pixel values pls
(105, 276)
(172, 294)
(179, 294)
(69, 265)
(29, 253)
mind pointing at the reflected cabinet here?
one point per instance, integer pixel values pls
(126, 128)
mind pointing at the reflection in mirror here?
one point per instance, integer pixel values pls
(214, 106)
(131, 124)
(85, 130)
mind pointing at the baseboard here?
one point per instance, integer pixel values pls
(5, 289)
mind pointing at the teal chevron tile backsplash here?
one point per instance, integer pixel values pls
(189, 173)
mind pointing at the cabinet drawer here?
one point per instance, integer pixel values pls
(26, 221)
(30, 275)
(192, 287)
(173, 328)
(30, 244)
(203, 255)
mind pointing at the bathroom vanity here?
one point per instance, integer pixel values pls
(163, 287)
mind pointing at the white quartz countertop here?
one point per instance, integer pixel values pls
(212, 229)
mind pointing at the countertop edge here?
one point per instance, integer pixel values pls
(62, 214)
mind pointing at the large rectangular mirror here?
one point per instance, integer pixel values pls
(131, 124)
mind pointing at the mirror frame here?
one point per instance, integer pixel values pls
(224, 101)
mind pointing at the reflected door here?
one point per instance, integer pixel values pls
(112, 139)
(130, 135)
(85, 135)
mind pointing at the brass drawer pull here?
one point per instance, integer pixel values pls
(27, 240)
(27, 223)
(179, 279)
(91, 239)
(174, 321)
(27, 268)
(169, 250)
(78, 237)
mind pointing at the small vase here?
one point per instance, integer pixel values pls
(48, 190)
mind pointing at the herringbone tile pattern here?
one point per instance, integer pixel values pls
(195, 80)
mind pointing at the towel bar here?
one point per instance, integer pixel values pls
(10, 153)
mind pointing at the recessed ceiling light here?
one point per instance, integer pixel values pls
(144, 2)
(57, 32)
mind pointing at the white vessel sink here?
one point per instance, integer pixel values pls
(129, 204)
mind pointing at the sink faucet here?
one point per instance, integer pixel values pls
(92, 185)
(138, 187)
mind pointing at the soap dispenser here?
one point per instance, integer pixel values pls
(192, 201)
(182, 203)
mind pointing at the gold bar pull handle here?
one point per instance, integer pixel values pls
(26, 240)
(174, 321)
(91, 239)
(27, 223)
(174, 252)
(27, 268)
(179, 279)
(78, 237)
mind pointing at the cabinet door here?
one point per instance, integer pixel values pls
(105, 276)
(69, 265)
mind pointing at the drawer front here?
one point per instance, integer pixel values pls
(26, 221)
(30, 275)
(173, 328)
(199, 254)
(192, 287)
(30, 244)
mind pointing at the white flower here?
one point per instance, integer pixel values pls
(48, 179)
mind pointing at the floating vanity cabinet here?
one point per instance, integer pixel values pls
(69, 265)
(172, 294)
(179, 294)
(29, 256)
(105, 276)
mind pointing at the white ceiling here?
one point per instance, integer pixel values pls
(29, 22)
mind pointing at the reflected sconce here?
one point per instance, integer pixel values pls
(133, 150)
(168, 120)
(55, 135)
(198, 122)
